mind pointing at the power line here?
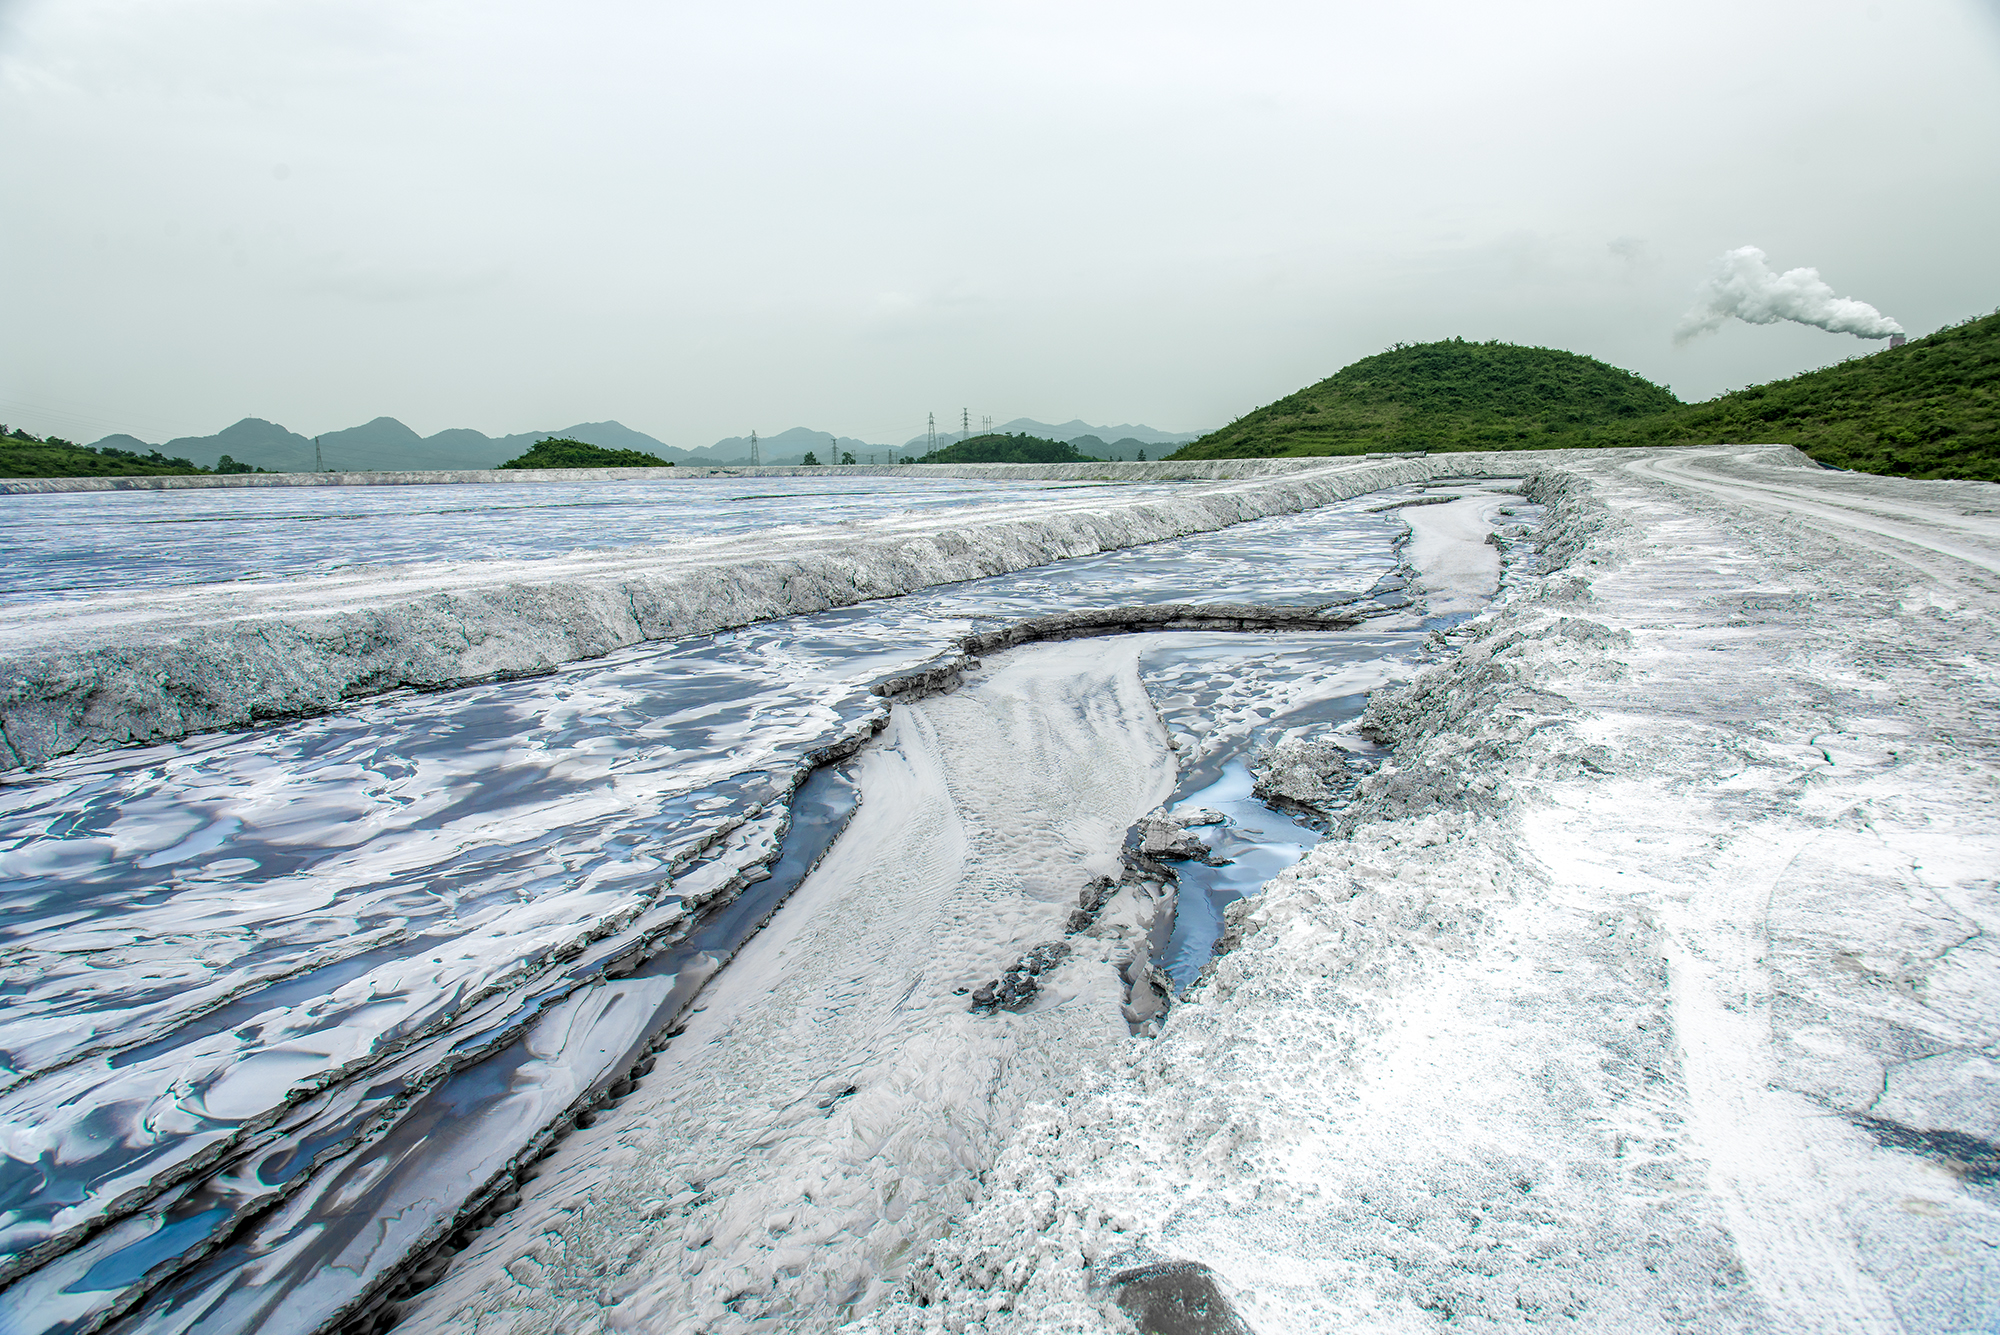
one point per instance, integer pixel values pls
(90, 421)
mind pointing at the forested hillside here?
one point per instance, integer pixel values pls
(1928, 409)
(997, 448)
(560, 453)
(26, 455)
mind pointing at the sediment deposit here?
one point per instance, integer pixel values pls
(1651, 984)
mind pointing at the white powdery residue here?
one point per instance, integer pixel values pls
(1649, 986)
(1458, 570)
(1379, 1112)
(1222, 688)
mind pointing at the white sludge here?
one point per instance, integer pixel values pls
(247, 974)
(116, 668)
(835, 1100)
(1650, 985)
(1458, 570)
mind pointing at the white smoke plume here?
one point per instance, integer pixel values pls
(1742, 285)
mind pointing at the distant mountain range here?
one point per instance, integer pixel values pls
(386, 445)
(789, 447)
(1099, 442)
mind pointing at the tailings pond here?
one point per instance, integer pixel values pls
(285, 1008)
(65, 545)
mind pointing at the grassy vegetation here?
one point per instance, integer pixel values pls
(25, 455)
(998, 448)
(1929, 409)
(562, 452)
(1452, 395)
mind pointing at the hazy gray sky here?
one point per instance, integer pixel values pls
(700, 219)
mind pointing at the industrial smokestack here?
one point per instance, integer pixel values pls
(1740, 284)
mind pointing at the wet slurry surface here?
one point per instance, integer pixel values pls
(279, 1004)
(1225, 698)
(69, 544)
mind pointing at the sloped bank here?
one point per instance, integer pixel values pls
(1651, 985)
(121, 669)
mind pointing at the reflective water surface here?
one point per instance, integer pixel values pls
(69, 544)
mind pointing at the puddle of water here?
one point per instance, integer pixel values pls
(1256, 844)
(1226, 698)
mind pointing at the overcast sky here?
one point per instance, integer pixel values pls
(700, 219)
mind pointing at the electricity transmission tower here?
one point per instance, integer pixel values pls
(965, 424)
(753, 447)
(930, 434)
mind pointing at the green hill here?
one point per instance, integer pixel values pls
(1452, 395)
(996, 448)
(564, 453)
(25, 455)
(1928, 409)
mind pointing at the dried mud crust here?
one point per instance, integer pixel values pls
(1650, 983)
(945, 673)
(1126, 921)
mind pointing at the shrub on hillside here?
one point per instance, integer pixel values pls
(997, 448)
(562, 452)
